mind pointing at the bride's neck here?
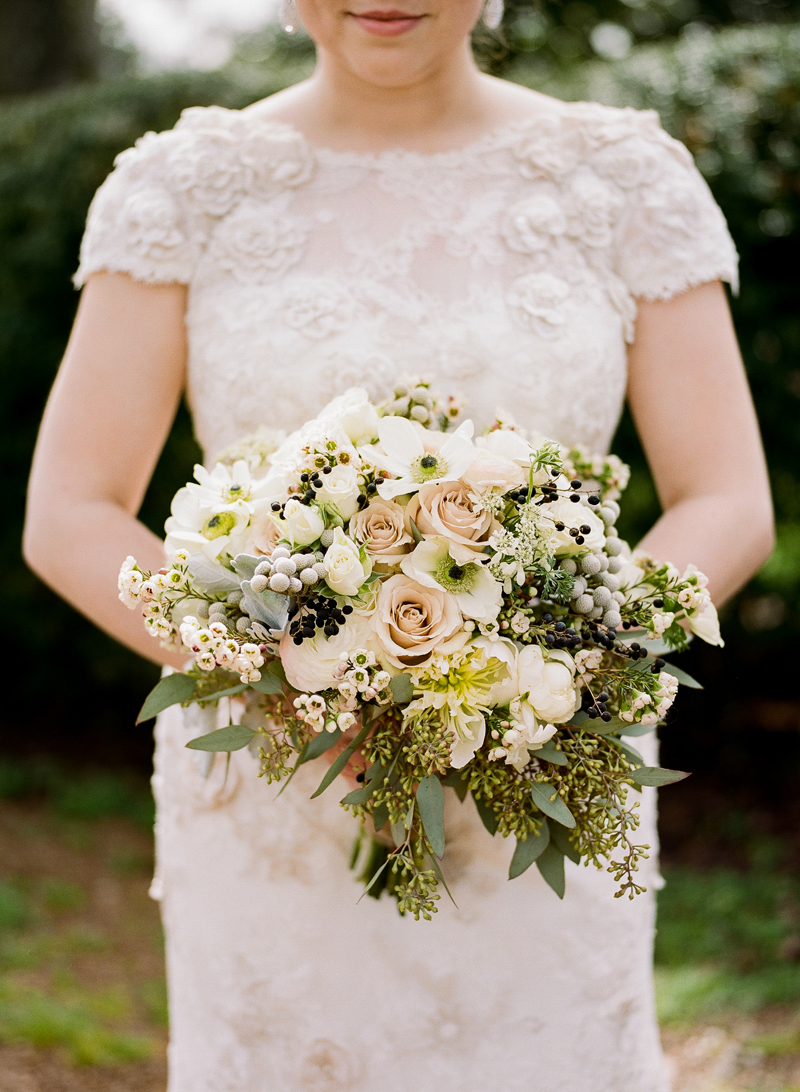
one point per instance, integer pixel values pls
(442, 108)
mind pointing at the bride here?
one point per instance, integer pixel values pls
(398, 212)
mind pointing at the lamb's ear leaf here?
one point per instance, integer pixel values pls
(551, 866)
(528, 851)
(171, 690)
(231, 738)
(430, 801)
(245, 565)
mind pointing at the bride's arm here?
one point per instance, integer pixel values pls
(692, 407)
(106, 421)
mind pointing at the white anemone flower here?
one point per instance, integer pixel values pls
(416, 456)
(476, 591)
(212, 515)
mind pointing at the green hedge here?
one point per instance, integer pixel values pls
(734, 97)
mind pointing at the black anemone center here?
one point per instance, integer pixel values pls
(428, 461)
(456, 573)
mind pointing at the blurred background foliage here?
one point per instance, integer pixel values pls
(725, 78)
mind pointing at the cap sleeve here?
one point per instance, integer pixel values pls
(672, 235)
(139, 222)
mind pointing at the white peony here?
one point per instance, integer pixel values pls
(547, 680)
(345, 572)
(340, 488)
(476, 591)
(301, 524)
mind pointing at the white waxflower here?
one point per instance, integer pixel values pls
(476, 591)
(345, 721)
(520, 623)
(416, 456)
(129, 583)
(206, 661)
(661, 622)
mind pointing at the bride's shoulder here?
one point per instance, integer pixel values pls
(213, 156)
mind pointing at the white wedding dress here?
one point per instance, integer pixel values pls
(507, 272)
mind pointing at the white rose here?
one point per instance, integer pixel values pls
(340, 488)
(311, 666)
(301, 524)
(344, 569)
(549, 683)
(574, 515)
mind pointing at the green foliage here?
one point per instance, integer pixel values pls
(726, 940)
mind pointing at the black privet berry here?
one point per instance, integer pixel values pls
(559, 526)
(574, 498)
(298, 640)
(550, 638)
(594, 500)
(304, 477)
(585, 529)
(347, 609)
(372, 488)
(576, 484)
(579, 539)
(327, 469)
(603, 697)
(658, 602)
(660, 663)
(547, 617)
(560, 627)
(606, 716)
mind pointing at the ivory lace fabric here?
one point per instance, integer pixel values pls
(507, 272)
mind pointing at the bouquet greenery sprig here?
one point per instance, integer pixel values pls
(449, 612)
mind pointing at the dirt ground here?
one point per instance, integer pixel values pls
(82, 1006)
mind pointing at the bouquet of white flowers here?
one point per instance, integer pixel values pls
(446, 611)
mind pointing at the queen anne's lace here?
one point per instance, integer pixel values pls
(509, 271)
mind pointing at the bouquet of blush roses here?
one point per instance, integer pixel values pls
(454, 612)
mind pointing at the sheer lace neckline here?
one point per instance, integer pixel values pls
(497, 137)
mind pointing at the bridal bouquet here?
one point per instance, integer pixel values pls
(437, 610)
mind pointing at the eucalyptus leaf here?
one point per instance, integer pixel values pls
(376, 775)
(398, 833)
(656, 775)
(375, 878)
(430, 801)
(234, 737)
(488, 817)
(579, 718)
(318, 746)
(275, 667)
(630, 752)
(380, 817)
(634, 730)
(415, 531)
(600, 727)
(528, 851)
(550, 753)
(560, 838)
(341, 761)
(227, 693)
(440, 876)
(171, 690)
(402, 689)
(683, 677)
(551, 866)
(267, 684)
(454, 780)
(546, 798)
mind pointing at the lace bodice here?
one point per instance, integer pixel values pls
(508, 271)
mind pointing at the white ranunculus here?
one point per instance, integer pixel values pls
(548, 682)
(508, 445)
(573, 515)
(310, 666)
(301, 524)
(359, 418)
(476, 591)
(340, 488)
(345, 572)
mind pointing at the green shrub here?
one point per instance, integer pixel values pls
(734, 97)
